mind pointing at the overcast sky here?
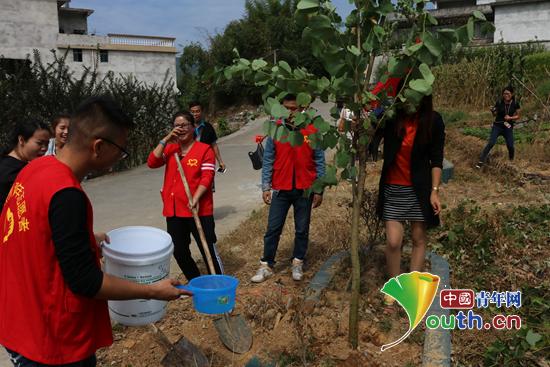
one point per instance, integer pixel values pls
(187, 20)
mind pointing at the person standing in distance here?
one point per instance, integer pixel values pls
(287, 172)
(506, 113)
(53, 294)
(204, 131)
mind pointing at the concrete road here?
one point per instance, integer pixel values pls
(133, 197)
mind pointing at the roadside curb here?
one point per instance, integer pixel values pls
(437, 342)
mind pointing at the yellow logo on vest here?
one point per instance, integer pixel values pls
(193, 162)
(17, 191)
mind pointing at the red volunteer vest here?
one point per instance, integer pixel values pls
(294, 162)
(40, 318)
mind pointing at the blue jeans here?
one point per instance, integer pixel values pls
(280, 204)
(19, 361)
(507, 133)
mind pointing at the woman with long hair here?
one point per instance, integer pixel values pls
(409, 184)
(198, 162)
(29, 140)
(506, 113)
(60, 129)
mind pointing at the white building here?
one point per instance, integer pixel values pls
(515, 20)
(45, 25)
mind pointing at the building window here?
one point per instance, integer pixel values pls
(77, 55)
(103, 56)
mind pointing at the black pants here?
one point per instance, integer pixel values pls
(180, 229)
(19, 361)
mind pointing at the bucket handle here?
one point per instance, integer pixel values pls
(185, 287)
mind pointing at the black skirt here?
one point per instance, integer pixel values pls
(401, 204)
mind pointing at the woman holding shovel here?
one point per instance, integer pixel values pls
(198, 162)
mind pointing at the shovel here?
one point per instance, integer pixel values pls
(232, 330)
(183, 353)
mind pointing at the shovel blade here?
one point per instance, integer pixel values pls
(234, 333)
(184, 354)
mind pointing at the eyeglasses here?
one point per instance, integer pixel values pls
(123, 152)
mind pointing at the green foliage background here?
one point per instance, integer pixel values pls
(44, 90)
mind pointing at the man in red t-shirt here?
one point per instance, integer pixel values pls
(53, 308)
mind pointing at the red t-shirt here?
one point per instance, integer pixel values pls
(399, 172)
(199, 166)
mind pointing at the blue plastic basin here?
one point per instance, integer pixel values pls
(213, 294)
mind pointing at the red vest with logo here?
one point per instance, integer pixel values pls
(294, 162)
(40, 318)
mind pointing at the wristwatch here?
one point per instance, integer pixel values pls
(435, 188)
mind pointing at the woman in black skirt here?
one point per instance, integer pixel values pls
(409, 184)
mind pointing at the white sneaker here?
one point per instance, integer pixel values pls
(297, 271)
(263, 273)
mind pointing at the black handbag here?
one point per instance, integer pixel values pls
(257, 156)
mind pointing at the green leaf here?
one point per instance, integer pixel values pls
(307, 4)
(479, 15)
(432, 44)
(321, 125)
(258, 64)
(300, 118)
(296, 138)
(303, 99)
(320, 21)
(409, 51)
(342, 158)
(330, 176)
(427, 73)
(432, 19)
(413, 96)
(470, 29)
(278, 111)
(421, 86)
(368, 45)
(354, 50)
(385, 8)
(380, 32)
(299, 74)
(532, 338)
(330, 140)
(284, 65)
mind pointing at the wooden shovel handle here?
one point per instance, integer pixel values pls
(195, 216)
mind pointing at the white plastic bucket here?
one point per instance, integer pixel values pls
(141, 255)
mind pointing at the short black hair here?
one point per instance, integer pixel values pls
(186, 115)
(508, 88)
(24, 128)
(195, 103)
(289, 97)
(96, 116)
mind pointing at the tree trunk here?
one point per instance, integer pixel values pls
(358, 191)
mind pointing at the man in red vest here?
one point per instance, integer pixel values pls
(53, 308)
(289, 171)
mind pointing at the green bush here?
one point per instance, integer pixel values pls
(538, 66)
(473, 77)
(36, 89)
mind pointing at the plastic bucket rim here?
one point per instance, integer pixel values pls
(167, 240)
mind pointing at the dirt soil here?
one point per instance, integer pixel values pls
(283, 334)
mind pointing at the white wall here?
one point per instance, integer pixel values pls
(520, 23)
(27, 25)
(148, 67)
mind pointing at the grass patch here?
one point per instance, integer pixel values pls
(521, 136)
(501, 249)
